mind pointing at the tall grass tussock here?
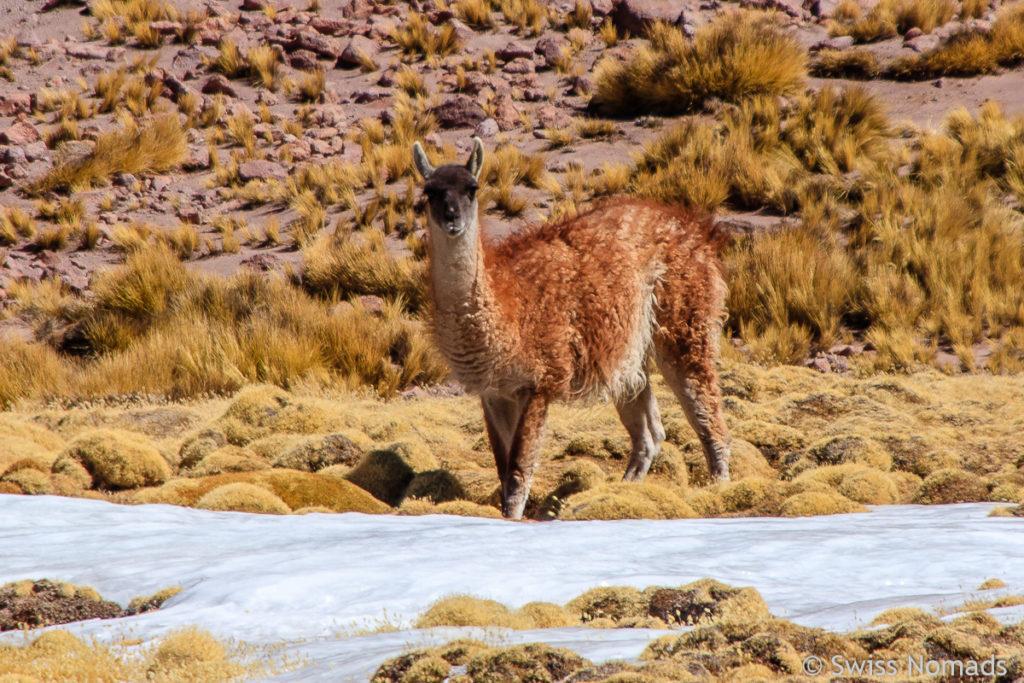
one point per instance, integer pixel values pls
(738, 55)
(151, 146)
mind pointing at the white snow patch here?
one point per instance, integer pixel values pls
(316, 581)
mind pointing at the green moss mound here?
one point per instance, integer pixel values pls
(297, 489)
(114, 459)
(316, 453)
(951, 486)
(243, 497)
(611, 602)
(812, 503)
(625, 500)
(386, 473)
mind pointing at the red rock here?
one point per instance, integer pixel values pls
(357, 44)
(550, 48)
(506, 114)
(261, 170)
(327, 26)
(513, 50)
(21, 132)
(254, 5)
(314, 42)
(80, 51)
(520, 65)
(218, 85)
(15, 103)
(459, 112)
(166, 27)
(304, 60)
(602, 8)
(553, 117)
(634, 16)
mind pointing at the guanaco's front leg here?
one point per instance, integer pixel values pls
(523, 452)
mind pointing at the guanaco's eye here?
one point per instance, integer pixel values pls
(471, 189)
(432, 193)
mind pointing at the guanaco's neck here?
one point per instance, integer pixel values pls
(470, 328)
(457, 272)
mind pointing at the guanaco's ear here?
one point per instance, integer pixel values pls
(475, 163)
(419, 157)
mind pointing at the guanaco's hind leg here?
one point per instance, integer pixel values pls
(515, 427)
(696, 387)
(640, 416)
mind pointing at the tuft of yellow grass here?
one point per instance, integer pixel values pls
(153, 146)
(415, 37)
(969, 52)
(738, 55)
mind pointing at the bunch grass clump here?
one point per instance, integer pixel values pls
(737, 56)
(416, 38)
(969, 52)
(153, 146)
(153, 326)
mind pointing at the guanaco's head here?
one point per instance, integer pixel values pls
(451, 191)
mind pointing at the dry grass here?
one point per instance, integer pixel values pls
(188, 654)
(969, 52)
(737, 56)
(340, 268)
(154, 327)
(733, 629)
(804, 443)
(152, 146)
(889, 18)
(415, 37)
(852, 64)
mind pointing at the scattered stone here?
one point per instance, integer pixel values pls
(550, 48)
(487, 128)
(837, 43)
(580, 85)
(353, 48)
(553, 117)
(15, 103)
(20, 132)
(363, 96)
(520, 65)
(217, 84)
(912, 32)
(602, 8)
(459, 112)
(262, 262)
(303, 60)
(534, 95)
(506, 114)
(262, 170)
(514, 50)
(308, 39)
(793, 8)
(13, 155)
(922, 43)
(828, 363)
(86, 51)
(327, 26)
(634, 16)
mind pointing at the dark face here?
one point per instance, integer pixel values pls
(451, 198)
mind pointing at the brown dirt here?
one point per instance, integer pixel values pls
(46, 603)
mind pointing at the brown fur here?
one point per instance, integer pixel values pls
(575, 310)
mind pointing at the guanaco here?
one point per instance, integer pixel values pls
(573, 310)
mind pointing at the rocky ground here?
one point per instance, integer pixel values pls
(63, 48)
